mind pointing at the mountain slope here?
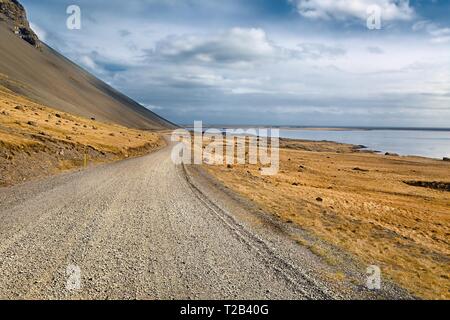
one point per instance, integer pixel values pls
(40, 73)
(37, 141)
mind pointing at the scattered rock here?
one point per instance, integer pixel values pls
(93, 119)
(446, 159)
(58, 115)
(319, 199)
(295, 184)
(443, 186)
(391, 154)
(112, 134)
(19, 108)
(229, 166)
(32, 123)
(29, 36)
(359, 169)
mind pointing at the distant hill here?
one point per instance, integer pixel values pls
(34, 70)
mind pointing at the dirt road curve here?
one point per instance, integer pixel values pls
(140, 229)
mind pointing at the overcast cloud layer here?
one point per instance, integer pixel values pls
(279, 62)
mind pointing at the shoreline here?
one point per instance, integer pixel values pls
(393, 146)
(366, 149)
(322, 128)
(383, 210)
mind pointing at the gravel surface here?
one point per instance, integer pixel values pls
(143, 229)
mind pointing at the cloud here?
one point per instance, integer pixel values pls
(237, 46)
(39, 31)
(318, 50)
(152, 107)
(375, 50)
(234, 46)
(89, 63)
(124, 33)
(391, 10)
(95, 62)
(257, 62)
(438, 34)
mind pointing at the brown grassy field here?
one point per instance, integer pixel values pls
(359, 202)
(36, 140)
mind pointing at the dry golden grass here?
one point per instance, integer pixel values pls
(24, 116)
(28, 128)
(359, 202)
(14, 140)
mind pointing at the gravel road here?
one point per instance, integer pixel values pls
(144, 229)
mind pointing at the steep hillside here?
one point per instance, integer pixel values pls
(38, 141)
(34, 70)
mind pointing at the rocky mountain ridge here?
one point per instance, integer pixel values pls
(13, 14)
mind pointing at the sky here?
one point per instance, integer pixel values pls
(265, 62)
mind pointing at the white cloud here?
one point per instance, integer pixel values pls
(438, 34)
(152, 107)
(238, 47)
(39, 32)
(234, 46)
(318, 50)
(89, 63)
(375, 50)
(215, 66)
(344, 9)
